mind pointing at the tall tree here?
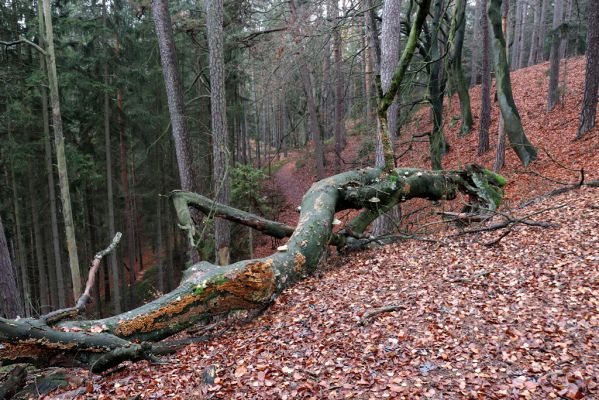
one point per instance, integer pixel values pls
(554, 56)
(485, 108)
(220, 153)
(174, 95)
(512, 122)
(436, 86)
(112, 261)
(57, 285)
(339, 90)
(63, 177)
(390, 34)
(588, 112)
(11, 305)
(456, 43)
(476, 47)
(536, 27)
(542, 32)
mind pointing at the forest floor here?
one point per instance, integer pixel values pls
(512, 313)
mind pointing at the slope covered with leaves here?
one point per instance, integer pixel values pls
(476, 316)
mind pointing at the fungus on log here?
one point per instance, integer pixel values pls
(209, 290)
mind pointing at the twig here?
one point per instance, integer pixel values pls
(509, 220)
(59, 315)
(495, 241)
(376, 311)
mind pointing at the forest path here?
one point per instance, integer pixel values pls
(287, 181)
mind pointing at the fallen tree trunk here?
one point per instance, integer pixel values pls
(209, 290)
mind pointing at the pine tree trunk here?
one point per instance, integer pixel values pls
(11, 305)
(591, 84)
(214, 30)
(554, 59)
(44, 297)
(63, 178)
(112, 260)
(20, 257)
(390, 34)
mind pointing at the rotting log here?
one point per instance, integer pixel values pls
(208, 290)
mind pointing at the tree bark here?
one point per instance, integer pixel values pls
(57, 286)
(436, 89)
(456, 41)
(485, 108)
(112, 260)
(11, 305)
(339, 95)
(500, 152)
(542, 32)
(45, 304)
(588, 112)
(61, 162)
(476, 46)
(536, 27)
(554, 57)
(208, 290)
(390, 35)
(512, 123)
(220, 152)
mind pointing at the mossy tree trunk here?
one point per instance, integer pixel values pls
(511, 118)
(456, 41)
(209, 290)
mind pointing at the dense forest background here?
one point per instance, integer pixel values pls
(297, 77)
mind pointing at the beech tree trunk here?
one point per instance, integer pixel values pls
(512, 123)
(554, 56)
(476, 46)
(208, 290)
(542, 32)
(456, 41)
(436, 89)
(485, 108)
(591, 84)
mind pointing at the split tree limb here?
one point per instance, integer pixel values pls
(59, 315)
